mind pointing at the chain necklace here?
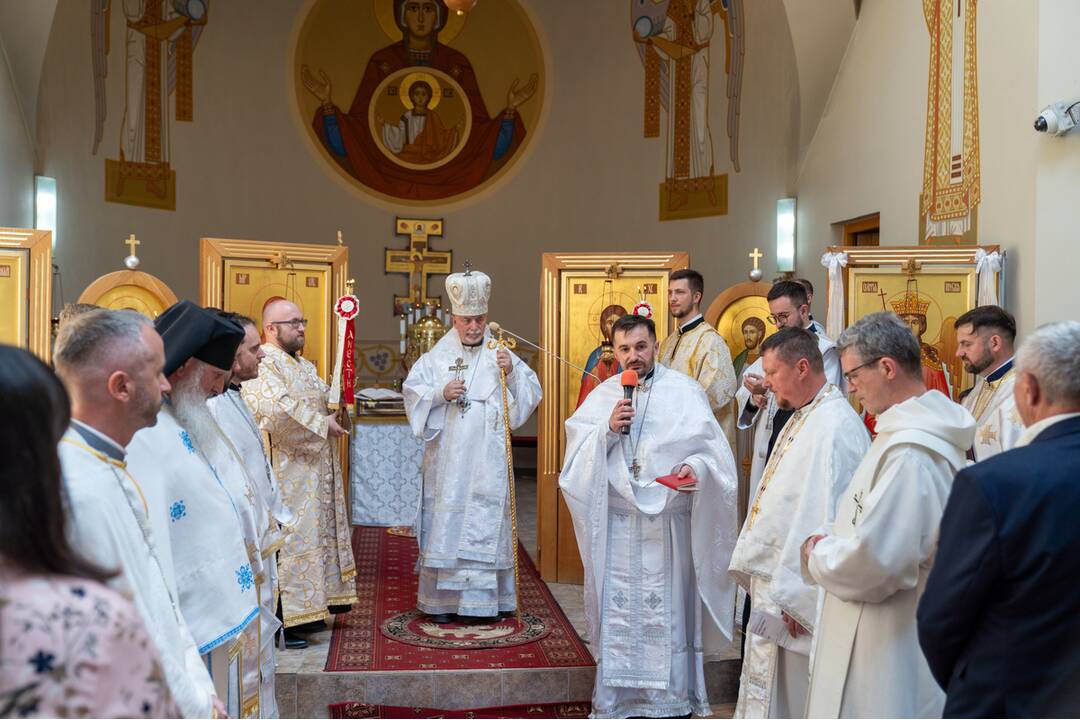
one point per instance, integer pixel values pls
(463, 402)
(787, 435)
(635, 465)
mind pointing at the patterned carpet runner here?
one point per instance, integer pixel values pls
(383, 631)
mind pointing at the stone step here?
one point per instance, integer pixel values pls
(307, 694)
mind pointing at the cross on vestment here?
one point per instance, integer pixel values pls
(418, 260)
(987, 435)
(457, 368)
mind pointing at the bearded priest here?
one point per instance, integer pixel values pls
(655, 558)
(192, 486)
(454, 404)
(259, 500)
(289, 400)
(811, 465)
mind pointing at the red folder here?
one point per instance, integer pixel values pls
(675, 482)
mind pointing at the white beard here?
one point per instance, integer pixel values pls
(189, 405)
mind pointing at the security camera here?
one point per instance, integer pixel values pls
(1059, 118)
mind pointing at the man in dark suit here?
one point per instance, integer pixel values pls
(999, 621)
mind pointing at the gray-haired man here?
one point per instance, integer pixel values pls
(873, 561)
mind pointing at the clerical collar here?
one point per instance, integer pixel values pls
(472, 347)
(810, 328)
(698, 319)
(648, 377)
(1000, 372)
(99, 441)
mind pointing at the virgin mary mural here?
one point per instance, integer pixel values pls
(391, 139)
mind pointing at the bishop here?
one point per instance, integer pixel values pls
(453, 401)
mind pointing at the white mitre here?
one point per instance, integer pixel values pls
(469, 293)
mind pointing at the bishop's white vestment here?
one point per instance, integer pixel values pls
(108, 523)
(997, 421)
(655, 560)
(316, 565)
(761, 420)
(812, 463)
(268, 514)
(197, 509)
(873, 564)
(465, 563)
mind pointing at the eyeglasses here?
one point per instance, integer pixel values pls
(779, 318)
(301, 323)
(850, 374)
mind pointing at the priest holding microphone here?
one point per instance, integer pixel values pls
(655, 558)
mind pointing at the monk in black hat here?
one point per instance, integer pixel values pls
(193, 483)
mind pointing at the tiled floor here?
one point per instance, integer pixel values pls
(304, 690)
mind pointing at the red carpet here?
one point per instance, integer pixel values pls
(364, 638)
(547, 710)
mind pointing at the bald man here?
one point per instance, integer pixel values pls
(316, 569)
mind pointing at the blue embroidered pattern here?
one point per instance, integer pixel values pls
(178, 510)
(244, 578)
(42, 662)
(187, 442)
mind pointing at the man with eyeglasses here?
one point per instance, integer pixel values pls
(316, 569)
(874, 559)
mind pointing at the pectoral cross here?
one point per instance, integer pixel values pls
(457, 368)
(635, 469)
(857, 497)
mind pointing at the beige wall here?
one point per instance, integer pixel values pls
(245, 170)
(16, 155)
(867, 155)
(1057, 184)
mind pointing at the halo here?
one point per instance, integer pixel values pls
(406, 86)
(384, 13)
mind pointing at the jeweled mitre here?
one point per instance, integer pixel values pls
(469, 292)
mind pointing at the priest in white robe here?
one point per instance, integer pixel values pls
(111, 363)
(194, 489)
(872, 563)
(757, 410)
(811, 465)
(262, 502)
(453, 400)
(655, 559)
(984, 342)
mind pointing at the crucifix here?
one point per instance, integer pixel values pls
(418, 261)
(132, 260)
(458, 368)
(755, 274)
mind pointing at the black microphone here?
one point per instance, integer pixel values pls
(629, 382)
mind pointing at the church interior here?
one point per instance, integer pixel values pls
(239, 153)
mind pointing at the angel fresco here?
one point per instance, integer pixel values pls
(358, 142)
(673, 39)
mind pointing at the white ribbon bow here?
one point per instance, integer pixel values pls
(834, 318)
(987, 266)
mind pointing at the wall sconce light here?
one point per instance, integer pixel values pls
(785, 235)
(45, 205)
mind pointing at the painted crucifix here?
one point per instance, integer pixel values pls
(418, 261)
